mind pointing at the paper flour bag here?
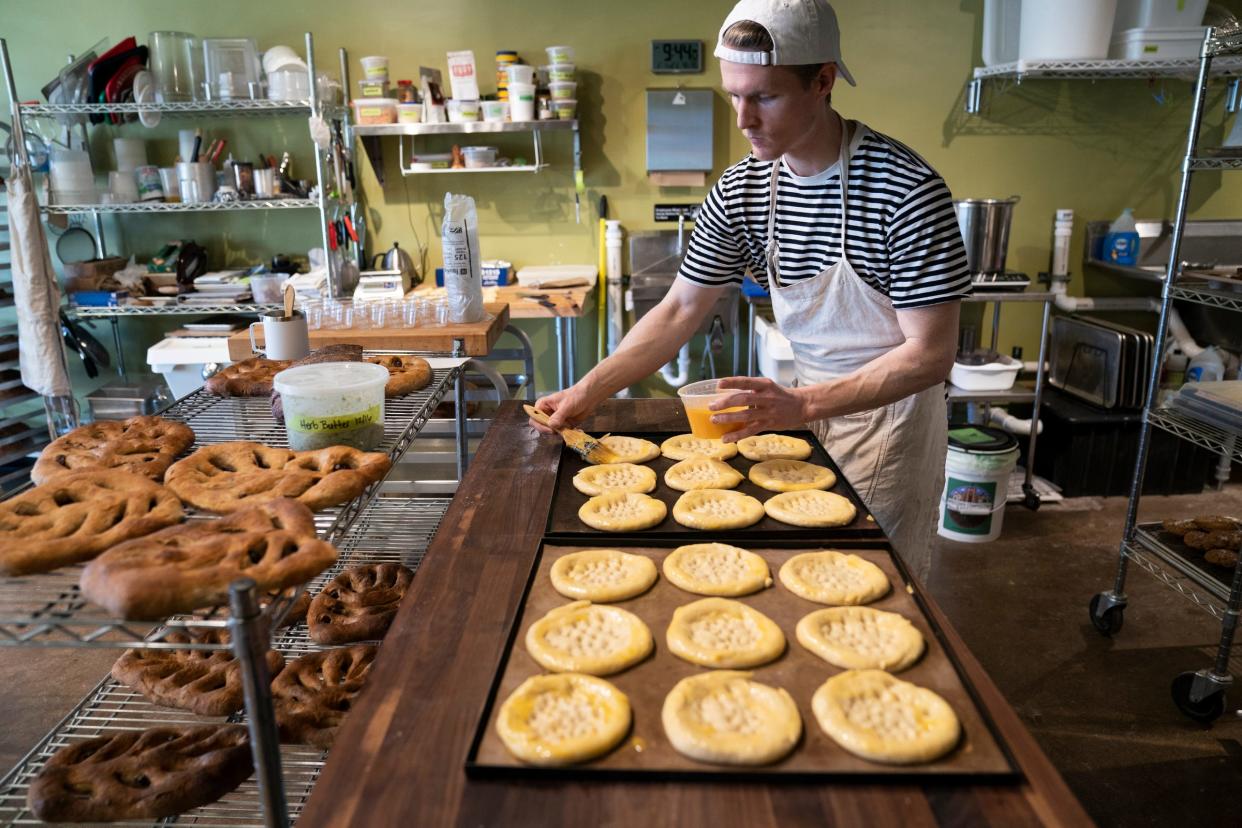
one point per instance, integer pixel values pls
(463, 276)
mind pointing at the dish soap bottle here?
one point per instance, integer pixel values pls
(1206, 367)
(1121, 243)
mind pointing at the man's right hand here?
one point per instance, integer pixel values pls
(565, 408)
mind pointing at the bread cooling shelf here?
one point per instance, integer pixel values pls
(388, 530)
(48, 610)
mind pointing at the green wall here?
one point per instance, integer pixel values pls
(1093, 147)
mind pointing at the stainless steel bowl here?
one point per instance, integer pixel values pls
(984, 223)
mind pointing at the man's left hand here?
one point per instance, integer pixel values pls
(769, 407)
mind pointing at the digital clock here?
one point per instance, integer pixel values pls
(676, 57)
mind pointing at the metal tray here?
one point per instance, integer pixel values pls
(647, 754)
(1170, 542)
(566, 501)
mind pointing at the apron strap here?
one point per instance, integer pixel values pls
(844, 161)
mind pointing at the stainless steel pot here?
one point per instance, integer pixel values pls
(984, 223)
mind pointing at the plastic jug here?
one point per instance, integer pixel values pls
(1206, 367)
(1121, 243)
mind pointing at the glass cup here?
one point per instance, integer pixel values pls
(696, 397)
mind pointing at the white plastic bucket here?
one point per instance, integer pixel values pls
(1066, 29)
(976, 483)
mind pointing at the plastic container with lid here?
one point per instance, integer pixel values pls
(564, 109)
(977, 468)
(560, 54)
(561, 72)
(519, 73)
(409, 113)
(563, 90)
(333, 404)
(375, 68)
(479, 157)
(495, 111)
(522, 101)
(374, 89)
(375, 111)
(461, 111)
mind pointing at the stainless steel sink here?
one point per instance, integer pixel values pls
(655, 257)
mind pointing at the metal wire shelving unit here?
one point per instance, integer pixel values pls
(388, 530)
(151, 207)
(178, 309)
(1199, 695)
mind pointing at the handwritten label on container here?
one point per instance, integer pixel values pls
(337, 423)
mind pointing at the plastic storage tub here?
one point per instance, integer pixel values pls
(369, 111)
(462, 112)
(519, 73)
(495, 111)
(1158, 14)
(563, 90)
(565, 110)
(1157, 44)
(333, 404)
(993, 376)
(375, 68)
(560, 72)
(479, 157)
(409, 113)
(181, 360)
(560, 54)
(1066, 29)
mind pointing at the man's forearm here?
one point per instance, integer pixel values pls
(905, 370)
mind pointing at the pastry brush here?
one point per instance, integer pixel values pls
(591, 450)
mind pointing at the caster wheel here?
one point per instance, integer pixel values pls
(1109, 622)
(1206, 710)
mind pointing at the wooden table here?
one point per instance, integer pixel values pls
(477, 338)
(399, 757)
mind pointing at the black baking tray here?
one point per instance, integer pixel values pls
(484, 760)
(563, 519)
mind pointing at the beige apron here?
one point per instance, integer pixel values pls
(837, 323)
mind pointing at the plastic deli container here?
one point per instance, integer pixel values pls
(479, 157)
(333, 404)
(562, 90)
(495, 111)
(561, 72)
(696, 397)
(565, 110)
(409, 113)
(375, 111)
(375, 68)
(520, 73)
(462, 112)
(522, 101)
(560, 54)
(373, 89)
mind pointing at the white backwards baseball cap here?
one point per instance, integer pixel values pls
(802, 31)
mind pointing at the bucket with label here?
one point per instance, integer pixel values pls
(976, 483)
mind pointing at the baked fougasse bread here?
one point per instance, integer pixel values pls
(143, 445)
(141, 774)
(602, 575)
(205, 682)
(562, 719)
(76, 515)
(314, 693)
(727, 718)
(883, 719)
(248, 378)
(406, 374)
(358, 604)
(189, 567)
(225, 477)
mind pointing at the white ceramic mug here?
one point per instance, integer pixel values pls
(283, 337)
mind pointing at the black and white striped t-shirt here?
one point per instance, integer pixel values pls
(903, 235)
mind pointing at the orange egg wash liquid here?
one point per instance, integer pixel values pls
(701, 424)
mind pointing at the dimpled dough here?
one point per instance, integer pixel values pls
(685, 446)
(882, 718)
(622, 512)
(791, 476)
(630, 449)
(716, 569)
(835, 578)
(714, 509)
(858, 638)
(700, 472)
(615, 477)
(586, 638)
(774, 447)
(563, 718)
(602, 575)
(718, 632)
(810, 508)
(724, 717)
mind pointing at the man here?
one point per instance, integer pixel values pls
(855, 238)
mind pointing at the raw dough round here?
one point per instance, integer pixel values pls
(774, 447)
(861, 638)
(582, 637)
(811, 508)
(630, 449)
(836, 578)
(602, 575)
(563, 718)
(719, 632)
(701, 472)
(724, 717)
(715, 509)
(716, 569)
(615, 477)
(685, 446)
(622, 512)
(882, 718)
(791, 476)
